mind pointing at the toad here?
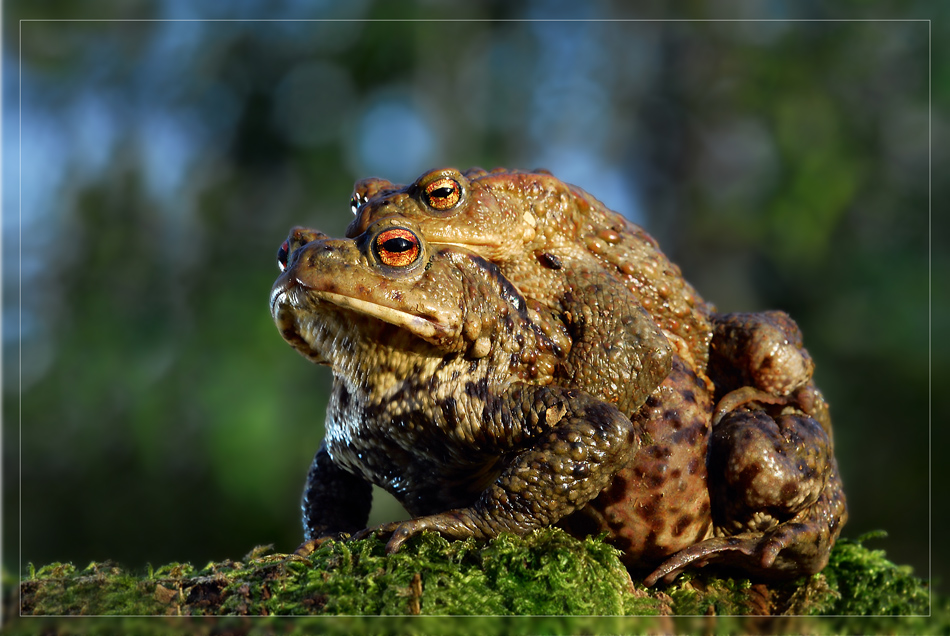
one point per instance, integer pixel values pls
(443, 388)
(739, 471)
(537, 229)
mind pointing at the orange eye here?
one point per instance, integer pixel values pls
(397, 247)
(443, 193)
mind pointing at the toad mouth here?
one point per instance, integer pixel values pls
(291, 293)
(419, 326)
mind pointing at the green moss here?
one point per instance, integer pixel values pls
(550, 573)
(101, 588)
(869, 584)
(546, 574)
(857, 581)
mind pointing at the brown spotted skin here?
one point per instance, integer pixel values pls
(559, 297)
(659, 503)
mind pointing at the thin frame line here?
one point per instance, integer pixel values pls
(474, 20)
(520, 20)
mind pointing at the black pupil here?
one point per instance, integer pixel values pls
(397, 244)
(441, 193)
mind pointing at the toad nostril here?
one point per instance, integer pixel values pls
(317, 253)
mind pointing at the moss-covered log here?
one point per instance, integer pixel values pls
(547, 573)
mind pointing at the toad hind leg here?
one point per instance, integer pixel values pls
(571, 446)
(778, 503)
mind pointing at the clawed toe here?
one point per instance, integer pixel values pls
(698, 555)
(310, 546)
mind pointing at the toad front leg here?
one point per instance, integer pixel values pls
(618, 354)
(566, 447)
(762, 350)
(335, 502)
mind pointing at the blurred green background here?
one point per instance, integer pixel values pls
(153, 413)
